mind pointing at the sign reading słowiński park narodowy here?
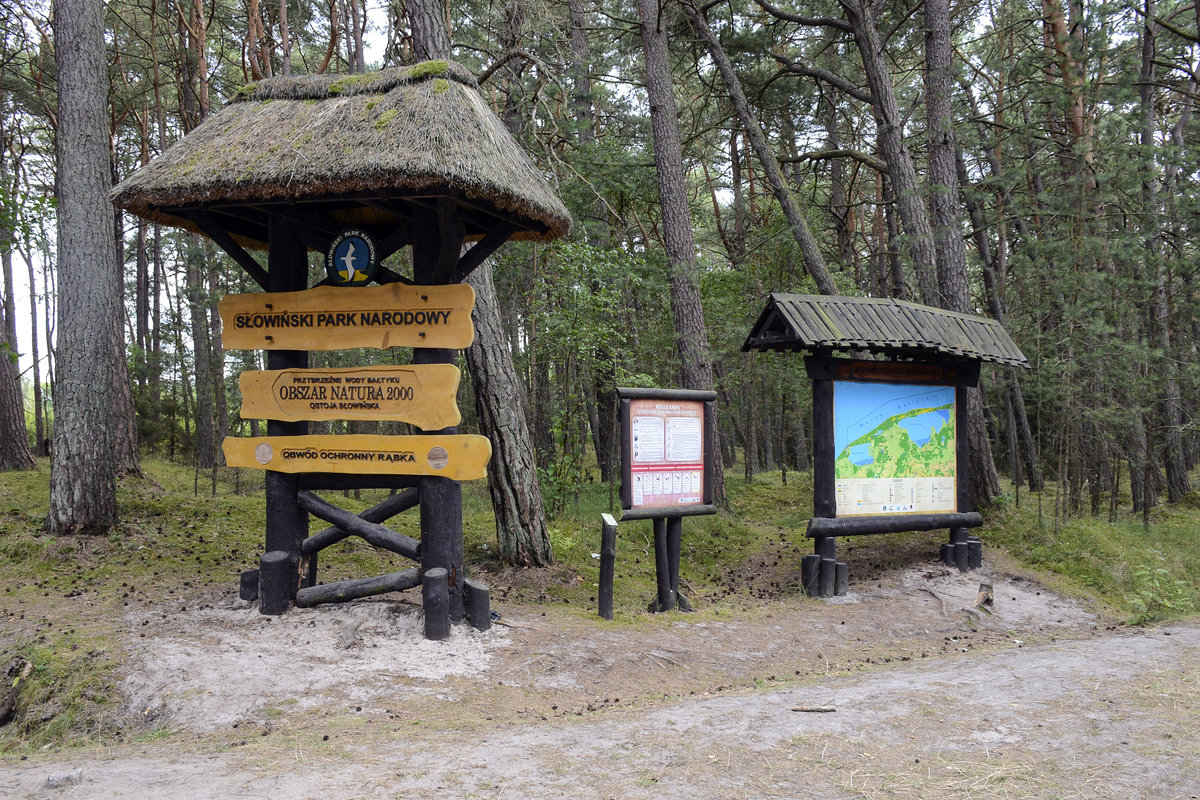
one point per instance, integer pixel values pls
(894, 448)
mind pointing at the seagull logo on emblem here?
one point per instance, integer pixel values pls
(351, 273)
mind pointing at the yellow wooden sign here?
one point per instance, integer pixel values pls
(460, 457)
(419, 394)
(339, 318)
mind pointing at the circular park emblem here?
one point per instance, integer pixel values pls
(438, 458)
(351, 260)
(264, 453)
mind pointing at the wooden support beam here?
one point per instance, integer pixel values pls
(214, 230)
(380, 512)
(482, 249)
(342, 591)
(451, 233)
(822, 527)
(385, 275)
(373, 532)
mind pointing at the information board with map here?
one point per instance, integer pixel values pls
(894, 448)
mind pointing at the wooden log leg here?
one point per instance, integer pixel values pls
(810, 574)
(248, 586)
(974, 553)
(608, 564)
(662, 569)
(441, 536)
(477, 601)
(825, 547)
(828, 577)
(435, 597)
(276, 572)
(962, 556)
(841, 581)
(674, 547)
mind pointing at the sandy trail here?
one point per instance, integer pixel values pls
(1042, 700)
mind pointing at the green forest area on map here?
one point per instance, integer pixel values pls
(890, 450)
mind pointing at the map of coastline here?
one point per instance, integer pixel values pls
(886, 431)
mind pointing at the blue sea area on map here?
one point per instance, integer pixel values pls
(924, 427)
(859, 408)
(860, 455)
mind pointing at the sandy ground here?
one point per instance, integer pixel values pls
(901, 689)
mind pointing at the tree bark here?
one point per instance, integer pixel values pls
(910, 200)
(521, 530)
(691, 335)
(83, 496)
(14, 436)
(950, 254)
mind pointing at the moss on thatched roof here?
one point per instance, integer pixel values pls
(387, 135)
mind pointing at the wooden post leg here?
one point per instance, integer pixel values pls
(608, 563)
(441, 536)
(674, 546)
(662, 569)
(435, 600)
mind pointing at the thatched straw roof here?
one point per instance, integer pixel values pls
(356, 148)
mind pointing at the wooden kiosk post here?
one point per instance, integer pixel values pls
(890, 450)
(403, 157)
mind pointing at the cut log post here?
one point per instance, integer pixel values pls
(674, 548)
(974, 553)
(810, 574)
(828, 577)
(608, 563)
(389, 508)
(342, 591)
(276, 579)
(841, 581)
(477, 603)
(248, 586)
(962, 556)
(825, 547)
(662, 566)
(373, 532)
(441, 535)
(435, 597)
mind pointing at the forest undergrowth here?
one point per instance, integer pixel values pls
(64, 598)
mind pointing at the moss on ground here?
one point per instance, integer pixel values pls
(64, 598)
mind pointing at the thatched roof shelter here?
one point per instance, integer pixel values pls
(330, 151)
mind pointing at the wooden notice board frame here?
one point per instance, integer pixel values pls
(825, 371)
(689, 402)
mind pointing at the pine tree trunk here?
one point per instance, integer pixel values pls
(910, 201)
(512, 474)
(83, 497)
(14, 436)
(690, 331)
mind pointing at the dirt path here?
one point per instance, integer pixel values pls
(1041, 699)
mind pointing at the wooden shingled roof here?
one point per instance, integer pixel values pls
(820, 323)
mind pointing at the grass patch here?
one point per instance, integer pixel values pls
(65, 598)
(1148, 575)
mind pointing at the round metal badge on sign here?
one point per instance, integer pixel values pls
(264, 453)
(351, 258)
(438, 458)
